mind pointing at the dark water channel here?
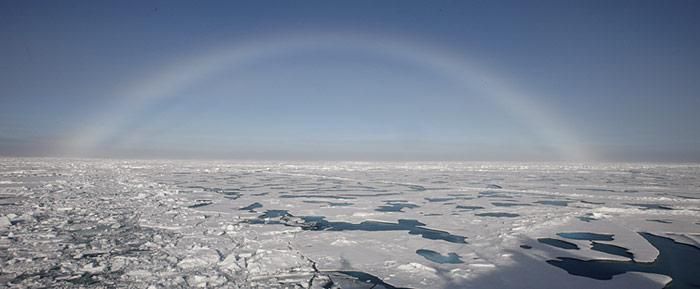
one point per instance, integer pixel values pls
(679, 261)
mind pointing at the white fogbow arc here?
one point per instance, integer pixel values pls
(183, 73)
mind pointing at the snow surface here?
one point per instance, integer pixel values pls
(180, 224)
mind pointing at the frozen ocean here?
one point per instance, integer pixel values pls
(87, 223)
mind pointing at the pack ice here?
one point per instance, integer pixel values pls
(84, 223)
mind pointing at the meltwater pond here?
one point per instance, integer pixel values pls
(396, 207)
(501, 204)
(586, 236)
(451, 258)
(558, 243)
(469, 208)
(554, 203)
(356, 280)
(252, 207)
(612, 249)
(651, 206)
(319, 223)
(497, 215)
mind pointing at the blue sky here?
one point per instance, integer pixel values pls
(356, 80)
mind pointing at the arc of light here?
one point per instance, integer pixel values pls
(184, 73)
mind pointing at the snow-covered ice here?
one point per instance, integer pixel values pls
(179, 224)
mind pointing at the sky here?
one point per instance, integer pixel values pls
(351, 80)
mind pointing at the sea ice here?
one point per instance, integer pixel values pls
(122, 224)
